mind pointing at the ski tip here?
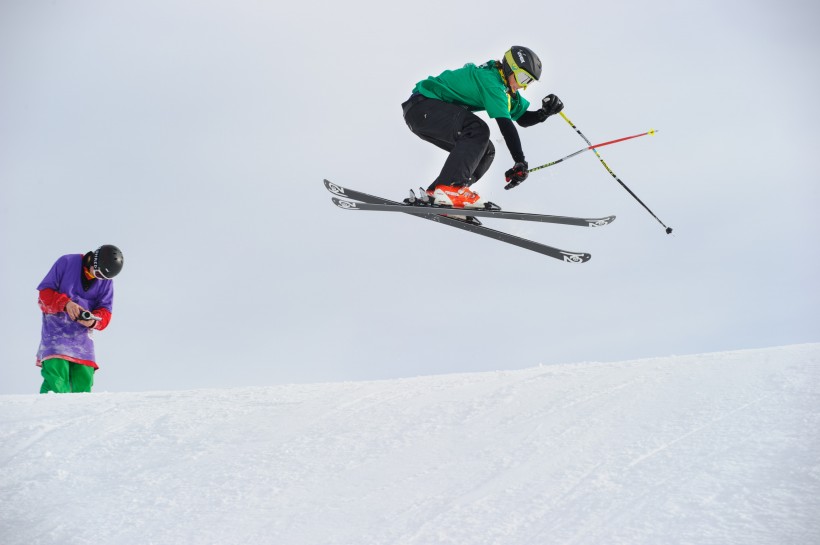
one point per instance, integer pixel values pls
(575, 257)
(333, 188)
(600, 222)
(346, 205)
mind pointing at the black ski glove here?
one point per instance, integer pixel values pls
(551, 105)
(517, 174)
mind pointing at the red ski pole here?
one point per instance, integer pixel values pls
(650, 132)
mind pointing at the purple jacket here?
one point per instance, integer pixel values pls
(62, 337)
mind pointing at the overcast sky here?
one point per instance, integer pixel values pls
(195, 136)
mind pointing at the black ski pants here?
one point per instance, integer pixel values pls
(455, 129)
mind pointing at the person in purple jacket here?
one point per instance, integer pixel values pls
(76, 298)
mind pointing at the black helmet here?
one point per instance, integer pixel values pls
(520, 59)
(107, 261)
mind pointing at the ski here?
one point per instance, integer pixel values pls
(480, 213)
(556, 253)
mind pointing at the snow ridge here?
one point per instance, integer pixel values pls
(714, 448)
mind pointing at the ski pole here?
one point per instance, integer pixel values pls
(571, 124)
(650, 132)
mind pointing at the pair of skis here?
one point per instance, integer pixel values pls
(438, 214)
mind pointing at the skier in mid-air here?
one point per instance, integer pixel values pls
(440, 111)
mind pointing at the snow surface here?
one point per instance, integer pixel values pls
(719, 448)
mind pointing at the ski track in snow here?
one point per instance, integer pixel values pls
(717, 448)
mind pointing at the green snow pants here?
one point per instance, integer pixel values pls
(64, 377)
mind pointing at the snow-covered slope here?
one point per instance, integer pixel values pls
(709, 449)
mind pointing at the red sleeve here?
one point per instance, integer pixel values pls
(52, 301)
(105, 316)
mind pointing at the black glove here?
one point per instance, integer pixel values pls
(551, 105)
(517, 174)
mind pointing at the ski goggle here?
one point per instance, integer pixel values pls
(523, 78)
(98, 274)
